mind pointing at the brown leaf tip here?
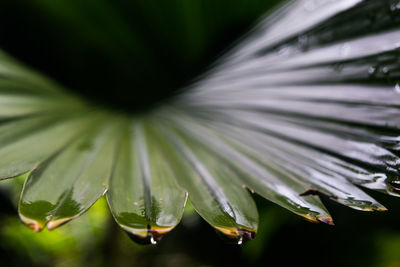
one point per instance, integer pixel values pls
(382, 208)
(36, 226)
(51, 225)
(327, 220)
(247, 234)
(158, 233)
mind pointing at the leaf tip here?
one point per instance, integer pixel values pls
(149, 235)
(324, 219)
(327, 220)
(248, 234)
(382, 209)
(238, 235)
(230, 232)
(35, 225)
(53, 224)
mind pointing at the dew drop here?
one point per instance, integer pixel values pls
(372, 70)
(395, 185)
(240, 241)
(153, 241)
(397, 88)
(395, 6)
(385, 70)
(303, 42)
(285, 50)
(312, 5)
(344, 50)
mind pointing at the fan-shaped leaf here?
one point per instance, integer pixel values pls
(144, 196)
(215, 191)
(70, 182)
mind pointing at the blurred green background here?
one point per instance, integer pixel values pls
(94, 239)
(133, 54)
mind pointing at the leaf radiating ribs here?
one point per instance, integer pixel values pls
(71, 181)
(25, 143)
(214, 190)
(285, 23)
(320, 179)
(274, 184)
(144, 197)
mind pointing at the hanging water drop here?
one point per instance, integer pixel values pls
(397, 88)
(153, 241)
(240, 241)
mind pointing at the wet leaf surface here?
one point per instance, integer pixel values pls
(306, 106)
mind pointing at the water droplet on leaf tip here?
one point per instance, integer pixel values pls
(397, 88)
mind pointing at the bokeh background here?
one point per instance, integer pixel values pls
(129, 54)
(358, 239)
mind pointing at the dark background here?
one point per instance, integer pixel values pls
(131, 55)
(358, 239)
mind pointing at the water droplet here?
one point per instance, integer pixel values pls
(285, 50)
(240, 241)
(145, 236)
(303, 42)
(153, 241)
(397, 88)
(395, 184)
(395, 6)
(344, 50)
(385, 70)
(372, 70)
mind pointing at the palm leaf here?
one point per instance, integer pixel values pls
(306, 104)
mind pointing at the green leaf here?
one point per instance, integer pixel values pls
(272, 183)
(26, 143)
(306, 105)
(144, 196)
(321, 180)
(214, 190)
(71, 181)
